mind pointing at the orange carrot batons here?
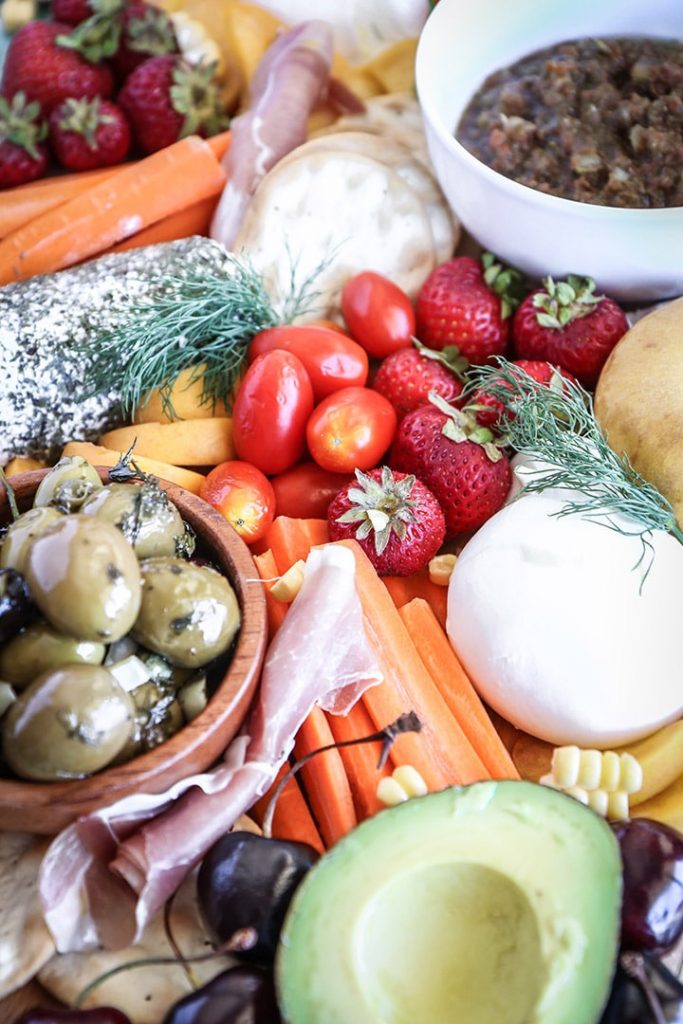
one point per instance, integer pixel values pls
(324, 779)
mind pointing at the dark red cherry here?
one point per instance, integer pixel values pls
(652, 910)
(242, 995)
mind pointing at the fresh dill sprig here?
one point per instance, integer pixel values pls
(555, 425)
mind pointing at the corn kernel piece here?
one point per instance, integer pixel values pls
(611, 771)
(410, 780)
(390, 792)
(17, 13)
(590, 769)
(565, 766)
(578, 793)
(289, 585)
(631, 774)
(617, 806)
(598, 800)
(549, 780)
(441, 569)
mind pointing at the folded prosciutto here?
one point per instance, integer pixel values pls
(288, 83)
(105, 876)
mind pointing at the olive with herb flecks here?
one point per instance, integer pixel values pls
(68, 723)
(145, 516)
(21, 534)
(189, 613)
(68, 484)
(85, 578)
(40, 647)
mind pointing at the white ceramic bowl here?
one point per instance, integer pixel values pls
(632, 254)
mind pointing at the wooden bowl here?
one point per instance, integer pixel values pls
(47, 807)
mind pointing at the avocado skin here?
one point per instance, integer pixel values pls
(557, 867)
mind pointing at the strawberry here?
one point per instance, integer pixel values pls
(544, 373)
(41, 63)
(568, 325)
(396, 520)
(73, 12)
(458, 460)
(86, 134)
(406, 377)
(146, 32)
(468, 303)
(166, 99)
(23, 157)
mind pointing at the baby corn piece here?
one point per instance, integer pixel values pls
(441, 569)
(404, 783)
(601, 779)
(289, 585)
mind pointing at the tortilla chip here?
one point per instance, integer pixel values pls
(25, 943)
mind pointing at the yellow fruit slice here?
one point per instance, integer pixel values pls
(16, 466)
(185, 400)
(184, 443)
(98, 456)
(660, 757)
(666, 807)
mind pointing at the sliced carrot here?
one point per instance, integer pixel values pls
(292, 539)
(360, 761)
(440, 752)
(404, 588)
(194, 220)
(450, 679)
(324, 780)
(139, 195)
(267, 569)
(219, 144)
(24, 203)
(292, 819)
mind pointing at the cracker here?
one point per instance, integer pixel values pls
(345, 208)
(397, 115)
(25, 942)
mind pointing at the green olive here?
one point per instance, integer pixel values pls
(68, 484)
(189, 613)
(70, 722)
(85, 578)
(40, 647)
(22, 533)
(144, 515)
(158, 716)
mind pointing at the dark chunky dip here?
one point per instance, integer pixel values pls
(596, 120)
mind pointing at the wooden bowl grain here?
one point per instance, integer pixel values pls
(46, 808)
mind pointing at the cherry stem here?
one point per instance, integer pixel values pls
(168, 928)
(243, 940)
(11, 497)
(633, 965)
(408, 722)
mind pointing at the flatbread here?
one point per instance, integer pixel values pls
(445, 226)
(25, 943)
(344, 207)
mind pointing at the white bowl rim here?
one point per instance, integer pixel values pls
(558, 203)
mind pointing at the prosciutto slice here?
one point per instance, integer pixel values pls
(104, 877)
(288, 83)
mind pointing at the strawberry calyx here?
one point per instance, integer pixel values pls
(560, 302)
(462, 426)
(20, 124)
(97, 38)
(152, 33)
(195, 95)
(83, 117)
(381, 507)
(449, 356)
(505, 282)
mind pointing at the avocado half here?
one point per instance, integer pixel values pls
(496, 903)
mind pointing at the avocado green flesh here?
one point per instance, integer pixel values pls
(497, 903)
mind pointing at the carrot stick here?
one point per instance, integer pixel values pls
(24, 203)
(440, 752)
(292, 539)
(193, 220)
(267, 568)
(450, 679)
(292, 819)
(324, 779)
(139, 195)
(219, 144)
(404, 588)
(360, 762)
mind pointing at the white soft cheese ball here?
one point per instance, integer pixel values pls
(549, 620)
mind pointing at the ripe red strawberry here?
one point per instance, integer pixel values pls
(48, 72)
(396, 520)
(568, 325)
(406, 377)
(468, 303)
(73, 12)
(166, 99)
(544, 373)
(23, 156)
(146, 32)
(458, 461)
(86, 134)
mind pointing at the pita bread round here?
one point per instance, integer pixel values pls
(25, 942)
(445, 226)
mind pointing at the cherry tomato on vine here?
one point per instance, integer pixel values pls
(378, 314)
(332, 359)
(350, 430)
(270, 412)
(243, 496)
(305, 491)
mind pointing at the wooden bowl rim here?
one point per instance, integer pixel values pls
(250, 647)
